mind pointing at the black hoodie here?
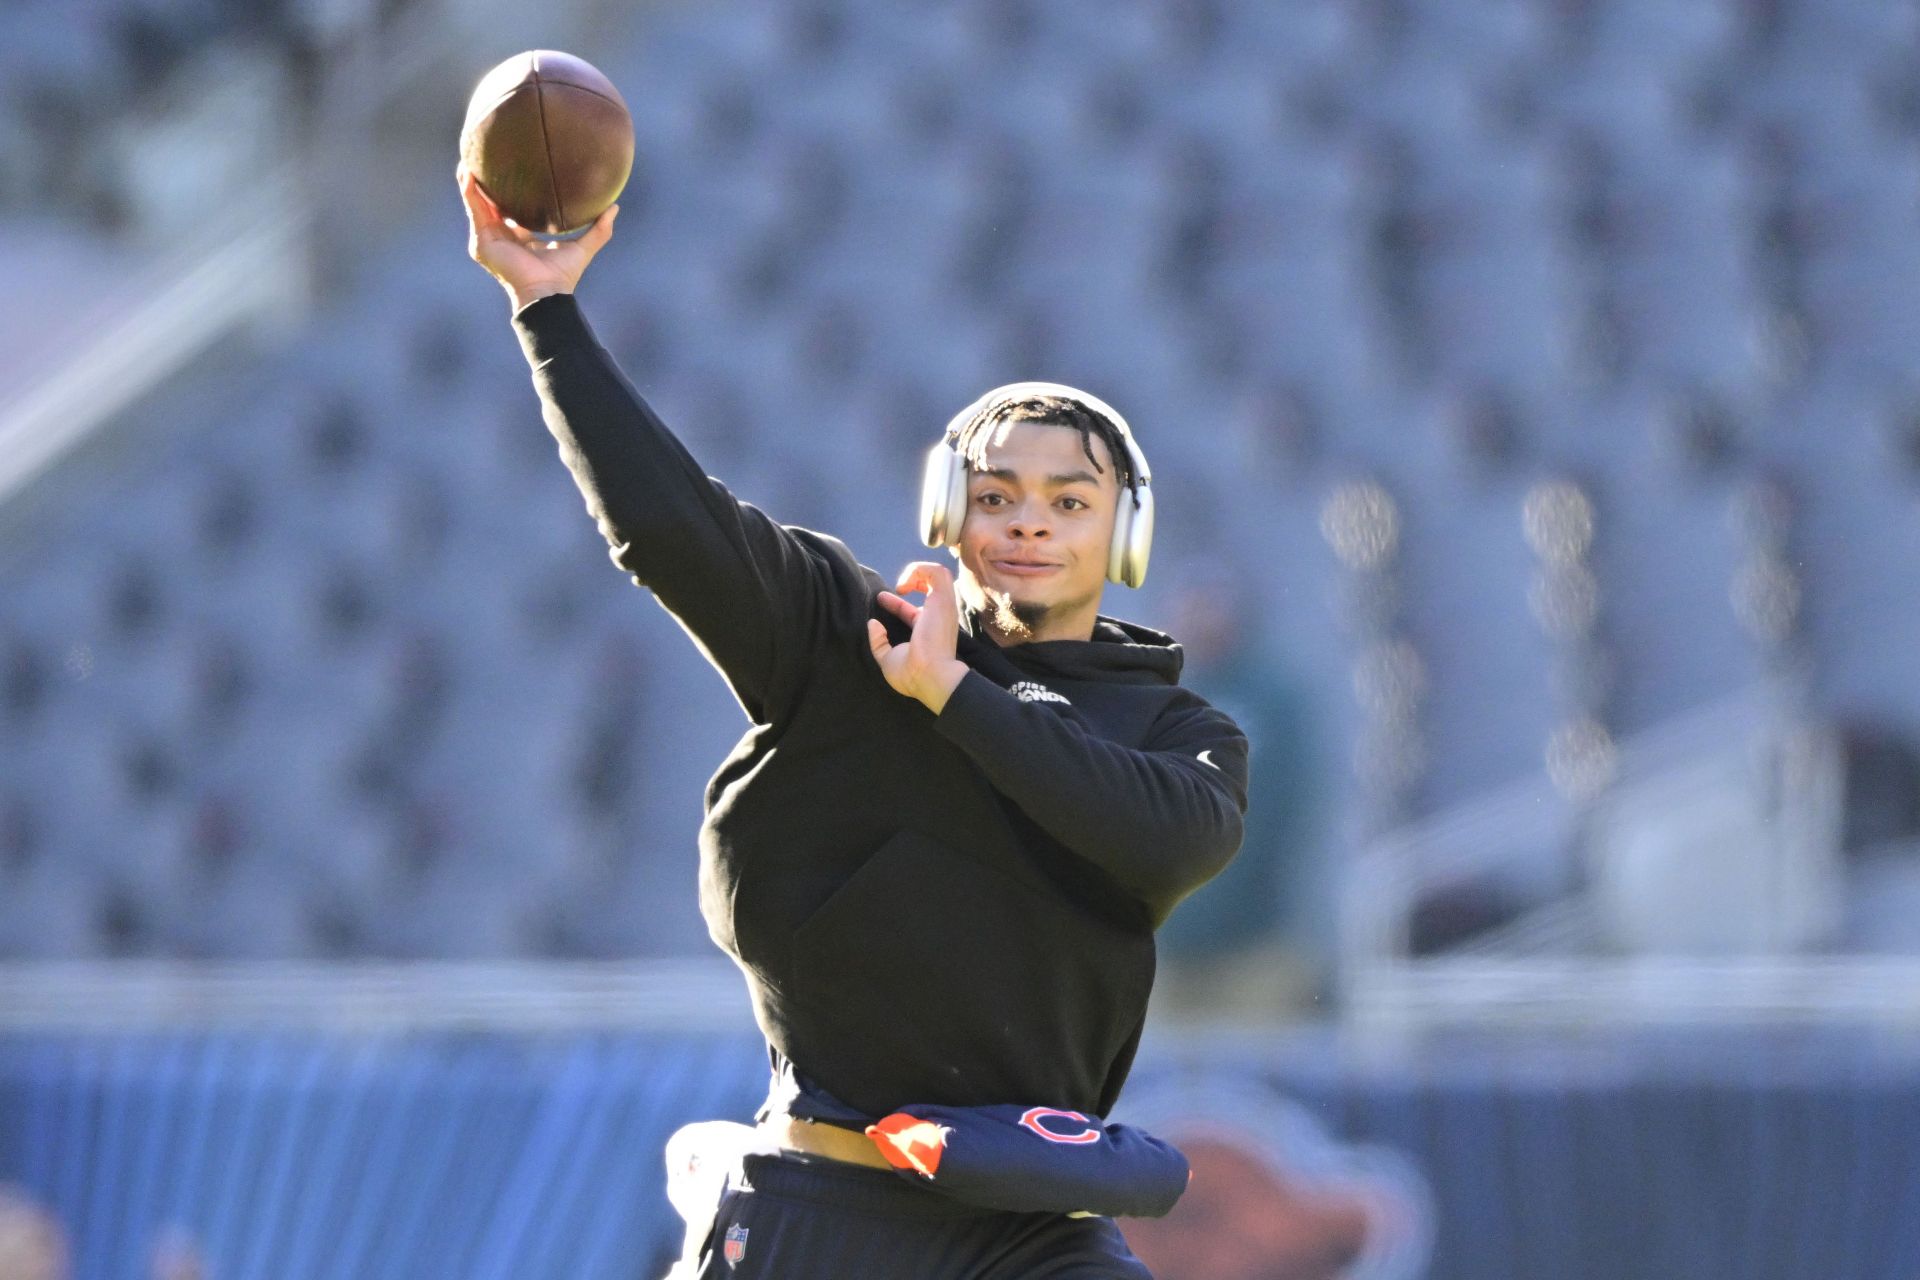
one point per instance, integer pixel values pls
(953, 909)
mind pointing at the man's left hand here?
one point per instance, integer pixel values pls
(924, 667)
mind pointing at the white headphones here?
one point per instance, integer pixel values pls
(943, 488)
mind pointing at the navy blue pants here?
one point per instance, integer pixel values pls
(798, 1218)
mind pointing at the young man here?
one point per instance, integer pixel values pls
(941, 849)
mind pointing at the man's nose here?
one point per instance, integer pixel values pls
(1029, 520)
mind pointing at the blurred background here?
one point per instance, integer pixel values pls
(1533, 393)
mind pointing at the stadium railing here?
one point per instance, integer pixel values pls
(691, 995)
(1702, 887)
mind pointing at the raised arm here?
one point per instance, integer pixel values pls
(743, 585)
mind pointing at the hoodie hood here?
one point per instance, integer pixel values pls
(1120, 652)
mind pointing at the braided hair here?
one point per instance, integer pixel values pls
(990, 427)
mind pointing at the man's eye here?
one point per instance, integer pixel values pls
(1077, 503)
(989, 499)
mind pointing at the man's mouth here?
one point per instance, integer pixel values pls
(1024, 568)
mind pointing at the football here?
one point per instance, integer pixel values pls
(550, 140)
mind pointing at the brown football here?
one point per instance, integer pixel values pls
(550, 140)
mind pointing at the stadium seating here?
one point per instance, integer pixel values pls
(330, 661)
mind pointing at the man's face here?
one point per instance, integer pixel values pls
(1038, 525)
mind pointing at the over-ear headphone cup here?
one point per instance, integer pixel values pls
(1139, 538)
(937, 525)
(1122, 537)
(1132, 538)
(956, 497)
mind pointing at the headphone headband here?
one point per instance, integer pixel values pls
(1014, 392)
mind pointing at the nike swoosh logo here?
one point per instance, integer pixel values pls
(1202, 758)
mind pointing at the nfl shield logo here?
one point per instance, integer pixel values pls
(736, 1246)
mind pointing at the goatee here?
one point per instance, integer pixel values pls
(1018, 620)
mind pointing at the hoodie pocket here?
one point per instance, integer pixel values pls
(981, 982)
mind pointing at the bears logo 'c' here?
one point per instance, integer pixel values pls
(1088, 1131)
